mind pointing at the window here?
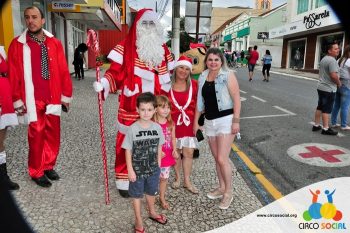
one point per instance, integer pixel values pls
(325, 40)
(303, 6)
(320, 3)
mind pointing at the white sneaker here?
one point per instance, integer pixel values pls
(345, 128)
(334, 126)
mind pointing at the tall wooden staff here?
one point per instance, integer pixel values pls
(92, 42)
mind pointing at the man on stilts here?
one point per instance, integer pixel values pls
(140, 63)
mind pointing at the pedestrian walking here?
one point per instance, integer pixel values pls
(218, 96)
(143, 150)
(8, 118)
(140, 63)
(242, 56)
(41, 87)
(342, 96)
(169, 156)
(326, 89)
(79, 60)
(267, 59)
(252, 58)
(183, 96)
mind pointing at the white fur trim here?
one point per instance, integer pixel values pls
(165, 82)
(66, 99)
(116, 57)
(23, 37)
(149, 16)
(18, 103)
(2, 52)
(54, 109)
(28, 82)
(171, 65)
(122, 128)
(147, 78)
(183, 63)
(122, 184)
(23, 119)
(8, 119)
(127, 92)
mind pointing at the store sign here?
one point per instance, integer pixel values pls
(314, 19)
(307, 22)
(63, 6)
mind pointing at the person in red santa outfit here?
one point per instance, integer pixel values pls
(8, 118)
(41, 87)
(140, 63)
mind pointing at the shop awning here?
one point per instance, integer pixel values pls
(96, 17)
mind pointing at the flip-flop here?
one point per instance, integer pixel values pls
(161, 219)
(192, 189)
(175, 185)
(140, 230)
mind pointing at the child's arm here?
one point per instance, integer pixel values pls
(131, 172)
(173, 139)
(160, 152)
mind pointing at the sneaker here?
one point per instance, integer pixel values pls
(216, 194)
(329, 131)
(335, 126)
(316, 128)
(345, 128)
(226, 201)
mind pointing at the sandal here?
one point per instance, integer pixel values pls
(140, 230)
(192, 189)
(161, 219)
(175, 185)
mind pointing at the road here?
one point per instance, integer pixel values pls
(278, 115)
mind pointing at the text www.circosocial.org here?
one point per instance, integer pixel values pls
(277, 215)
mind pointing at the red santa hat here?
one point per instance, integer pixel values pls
(184, 61)
(130, 46)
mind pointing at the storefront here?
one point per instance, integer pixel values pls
(305, 41)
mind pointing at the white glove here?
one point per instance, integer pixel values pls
(102, 86)
(97, 86)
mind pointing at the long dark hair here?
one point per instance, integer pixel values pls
(345, 56)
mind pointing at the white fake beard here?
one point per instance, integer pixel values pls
(149, 46)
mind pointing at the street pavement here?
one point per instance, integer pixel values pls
(76, 202)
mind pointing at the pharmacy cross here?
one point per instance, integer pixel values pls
(327, 155)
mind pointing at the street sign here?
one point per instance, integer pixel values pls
(322, 155)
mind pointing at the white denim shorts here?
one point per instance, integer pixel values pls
(218, 126)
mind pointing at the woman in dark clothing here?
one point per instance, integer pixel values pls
(79, 60)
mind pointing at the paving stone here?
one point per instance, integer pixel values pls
(76, 202)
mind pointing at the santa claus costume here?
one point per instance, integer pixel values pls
(8, 118)
(140, 63)
(41, 96)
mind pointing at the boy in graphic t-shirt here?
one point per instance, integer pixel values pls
(143, 148)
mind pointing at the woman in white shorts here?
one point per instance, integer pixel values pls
(218, 96)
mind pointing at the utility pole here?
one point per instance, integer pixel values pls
(175, 42)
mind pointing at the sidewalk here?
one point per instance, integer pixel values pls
(76, 202)
(292, 72)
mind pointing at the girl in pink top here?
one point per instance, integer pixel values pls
(163, 118)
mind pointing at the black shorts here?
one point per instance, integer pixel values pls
(325, 101)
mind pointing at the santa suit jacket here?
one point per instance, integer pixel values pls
(155, 80)
(20, 75)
